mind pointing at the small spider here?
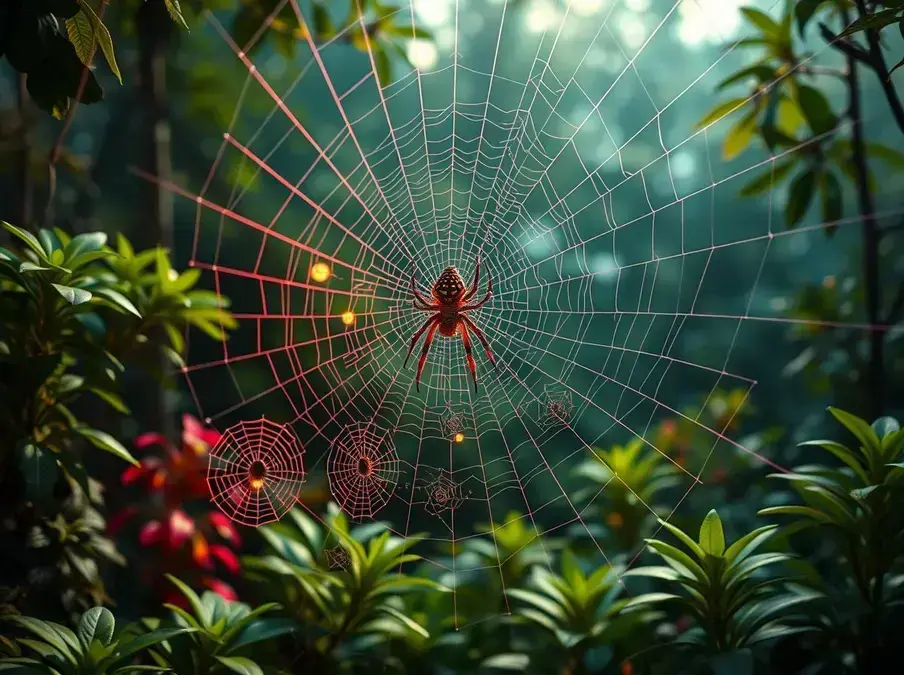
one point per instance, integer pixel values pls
(450, 304)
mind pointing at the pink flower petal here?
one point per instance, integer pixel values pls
(151, 533)
(220, 588)
(224, 527)
(152, 438)
(227, 557)
(181, 527)
(119, 519)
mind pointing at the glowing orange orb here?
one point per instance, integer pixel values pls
(320, 272)
(257, 483)
(348, 318)
(459, 437)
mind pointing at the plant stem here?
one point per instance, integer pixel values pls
(871, 234)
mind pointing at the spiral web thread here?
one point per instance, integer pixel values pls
(256, 472)
(602, 318)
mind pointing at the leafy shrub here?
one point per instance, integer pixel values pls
(221, 633)
(859, 506)
(346, 611)
(73, 314)
(93, 649)
(734, 610)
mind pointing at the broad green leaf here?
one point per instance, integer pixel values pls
(103, 37)
(712, 538)
(118, 300)
(799, 197)
(892, 158)
(802, 511)
(39, 469)
(760, 71)
(49, 241)
(762, 21)
(193, 600)
(739, 137)
(81, 35)
(816, 109)
(96, 624)
(843, 453)
(48, 633)
(859, 428)
(749, 543)
(105, 441)
(884, 426)
(74, 296)
(241, 665)
(768, 179)
(27, 237)
(84, 243)
(126, 650)
(262, 630)
(721, 111)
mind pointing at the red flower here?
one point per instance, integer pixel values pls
(119, 519)
(227, 557)
(181, 527)
(195, 435)
(224, 527)
(220, 588)
(151, 533)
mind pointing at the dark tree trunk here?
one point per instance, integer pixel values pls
(24, 185)
(875, 370)
(155, 211)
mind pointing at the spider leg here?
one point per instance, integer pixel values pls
(473, 290)
(424, 308)
(420, 331)
(466, 339)
(417, 293)
(481, 337)
(485, 300)
(421, 361)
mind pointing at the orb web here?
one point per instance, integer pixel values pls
(363, 470)
(558, 142)
(337, 559)
(255, 472)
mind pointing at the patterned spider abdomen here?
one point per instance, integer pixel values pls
(449, 287)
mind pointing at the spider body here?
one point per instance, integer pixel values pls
(451, 298)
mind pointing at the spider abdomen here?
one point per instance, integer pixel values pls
(449, 287)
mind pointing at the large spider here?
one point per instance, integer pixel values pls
(450, 304)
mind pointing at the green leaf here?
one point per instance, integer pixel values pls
(861, 430)
(768, 179)
(518, 662)
(892, 158)
(876, 21)
(799, 197)
(27, 267)
(96, 624)
(74, 296)
(739, 137)
(721, 111)
(40, 470)
(262, 630)
(830, 190)
(712, 538)
(885, 426)
(47, 632)
(103, 38)
(118, 300)
(193, 600)
(816, 109)
(49, 241)
(383, 65)
(81, 35)
(175, 12)
(804, 11)
(126, 650)
(748, 543)
(84, 243)
(762, 21)
(240, 665)
(27, 237)
(760, 71)
(105, 441)
(111, 399)
(802, 511)
(843, 453)
(685, 539)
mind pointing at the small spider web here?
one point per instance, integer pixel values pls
(628, 288)
(256, 472)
